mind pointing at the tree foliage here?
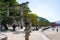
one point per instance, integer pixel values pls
(26, 12)
(43, 22)
(10, 2)
(3, 10)
(14, 14)
(33, 18)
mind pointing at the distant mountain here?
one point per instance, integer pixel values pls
(57, 23)
(39, 18)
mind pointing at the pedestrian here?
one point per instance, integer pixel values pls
(57, 30)
(21, 27)
(36, 28)
(14, 27)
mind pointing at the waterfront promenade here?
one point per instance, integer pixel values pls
(48, 34)
(53, 35)
(20, 35)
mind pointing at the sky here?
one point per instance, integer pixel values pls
(49, 9)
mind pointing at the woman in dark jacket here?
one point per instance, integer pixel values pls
(14, 26)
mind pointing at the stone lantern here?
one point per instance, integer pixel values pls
(27, 30)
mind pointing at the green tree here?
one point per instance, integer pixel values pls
(43, 22)
(3, 10)
(26, 12)
(10, 2)
(33, 18)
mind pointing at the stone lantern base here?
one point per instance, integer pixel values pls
(3, 37)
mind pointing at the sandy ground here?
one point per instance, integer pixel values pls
(53, 35)
(20, 35)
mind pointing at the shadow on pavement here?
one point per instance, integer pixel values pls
(17, 32)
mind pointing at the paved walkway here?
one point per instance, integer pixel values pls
(35, 35)
(43, 36)
(53, 35)
(20, 35)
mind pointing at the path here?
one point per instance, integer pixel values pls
(43, 36)
(20, 35)
(53, 35)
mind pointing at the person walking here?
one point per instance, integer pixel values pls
(37, 28)
(14, 27)
(57, 30)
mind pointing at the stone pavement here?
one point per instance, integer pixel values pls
(20, 35)
(53, 35)
(43, 35)
(35, 35)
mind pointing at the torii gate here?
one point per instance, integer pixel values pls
(21, 10)
(22, 24)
